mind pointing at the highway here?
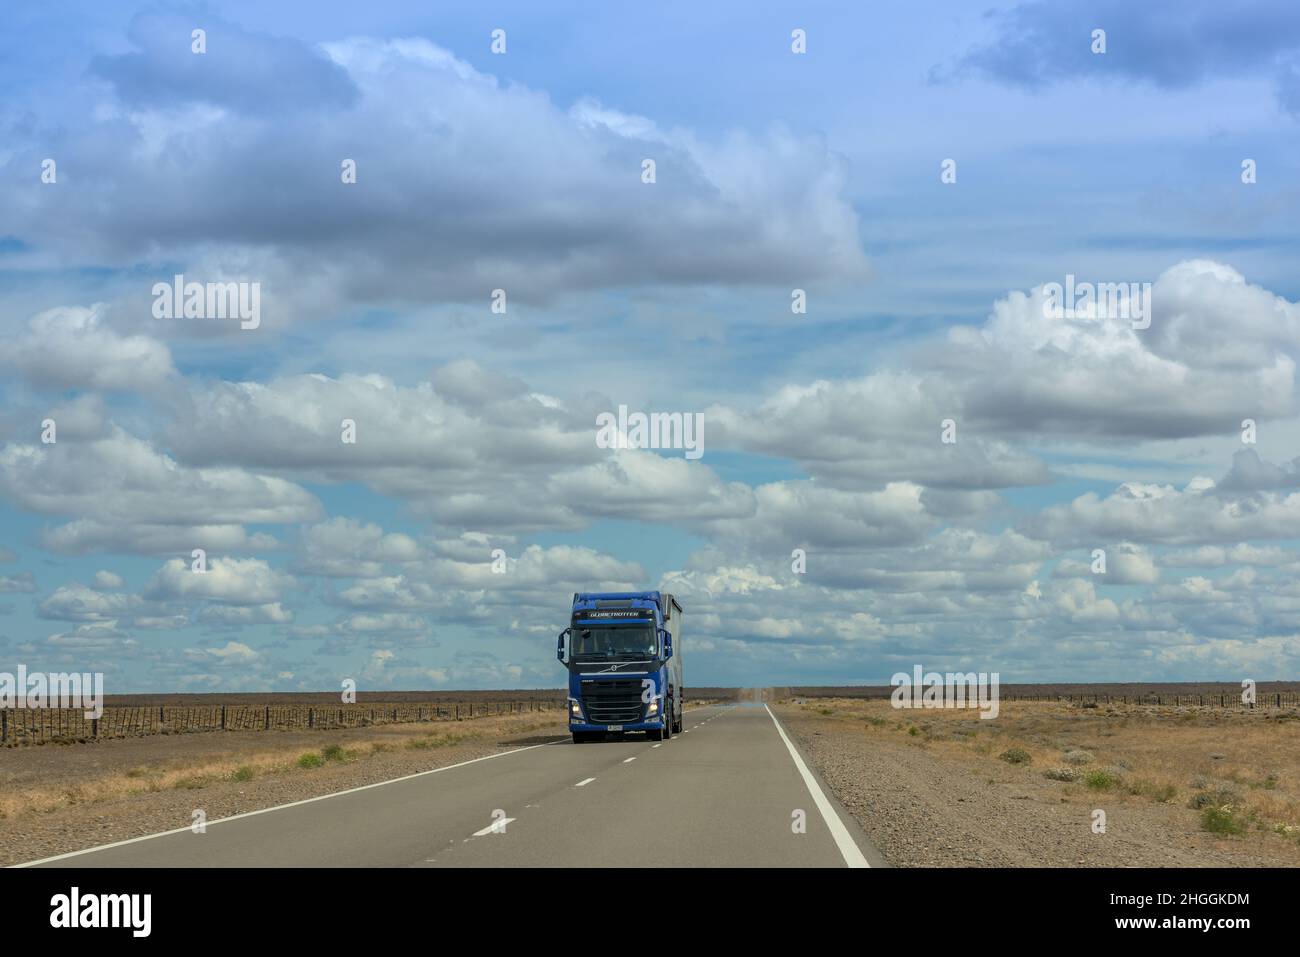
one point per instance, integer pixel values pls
(727, 792)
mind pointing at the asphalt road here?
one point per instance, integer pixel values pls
(724, 793)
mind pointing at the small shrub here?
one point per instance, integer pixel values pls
(333, 752)
(1101, 779)
(1222, 820)
(1016, 756)
(311, 760)
(1061, 774)
(1078, 757)
(1162, 793)
(1219, 797)
(826, 711)
(242, 773)
(913, 730)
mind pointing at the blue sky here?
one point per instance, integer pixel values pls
(774, 171)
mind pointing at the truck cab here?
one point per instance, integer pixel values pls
(623, 654)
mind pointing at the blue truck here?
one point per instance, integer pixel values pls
(623, 652)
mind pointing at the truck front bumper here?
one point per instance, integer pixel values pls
(654, 724)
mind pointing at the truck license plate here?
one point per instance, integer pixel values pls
(613, 727)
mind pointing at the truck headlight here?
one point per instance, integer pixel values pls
(575, 710)
(653, 708)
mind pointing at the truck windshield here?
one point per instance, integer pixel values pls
(613, 642)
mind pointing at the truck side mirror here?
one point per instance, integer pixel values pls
(668, 643)
(559, 645)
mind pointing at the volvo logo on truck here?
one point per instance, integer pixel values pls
(623, 653)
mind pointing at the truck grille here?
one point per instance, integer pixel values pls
(612, 702)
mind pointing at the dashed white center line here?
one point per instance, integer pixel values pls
(653, 746)
(628, 760)
(494, 827)
(584, 783)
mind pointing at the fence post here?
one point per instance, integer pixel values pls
(311, 718)
(4, 725)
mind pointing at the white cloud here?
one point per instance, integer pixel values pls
(128, 496)
(76, 602)
(235, 581)
(71, 347)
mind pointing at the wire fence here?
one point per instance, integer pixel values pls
(1284, 699)
(20, 726)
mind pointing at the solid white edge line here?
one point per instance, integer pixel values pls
(848, 847)
(278, 807)
(629, 760)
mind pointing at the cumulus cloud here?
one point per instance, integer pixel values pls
(1126, 564)
(272, 613)
(235, 581)
(76, 602)
(1218, 350)
(72, 347)
(530, 196)
(22, 583)
(884, 427)
(107, 581)
(474, 459)
(233, 654)
(1198, 513)
(129, 496)
(345, 548)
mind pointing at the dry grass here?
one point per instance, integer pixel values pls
(257, 760)
(1238, 770)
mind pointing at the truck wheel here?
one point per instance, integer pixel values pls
(655, 734)
(580, 737)
(668, 725)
